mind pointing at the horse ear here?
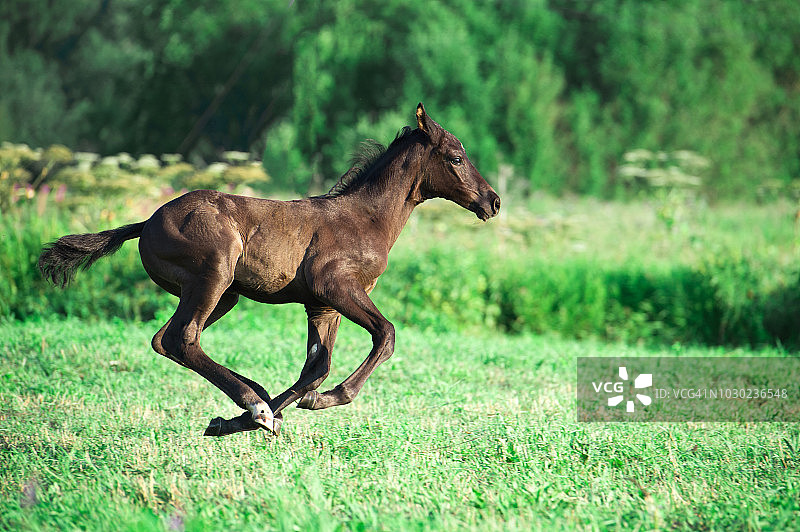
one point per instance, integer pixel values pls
(421, 116)
(428, 125)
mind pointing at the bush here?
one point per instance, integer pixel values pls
(723, 301)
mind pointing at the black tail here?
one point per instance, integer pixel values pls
(60, 259)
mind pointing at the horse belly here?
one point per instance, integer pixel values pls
(275, 289)
(268, 276)
(265, 280)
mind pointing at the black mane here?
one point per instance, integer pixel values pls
(370, 156)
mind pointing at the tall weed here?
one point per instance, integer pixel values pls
(726, 300)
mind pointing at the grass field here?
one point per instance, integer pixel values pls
(453, 433)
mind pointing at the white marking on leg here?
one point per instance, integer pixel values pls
(262, 414)
(312, 353)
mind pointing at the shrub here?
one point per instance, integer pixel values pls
(111, 288)
(725, 300)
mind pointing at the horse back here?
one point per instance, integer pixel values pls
(273, 248)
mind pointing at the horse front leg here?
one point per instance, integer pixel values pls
(323, 324)
(352, 301)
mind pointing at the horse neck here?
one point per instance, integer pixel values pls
(390, 200)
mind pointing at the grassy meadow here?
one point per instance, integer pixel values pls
(455, 432)
(470, 426)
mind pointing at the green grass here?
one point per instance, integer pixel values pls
(453, 433)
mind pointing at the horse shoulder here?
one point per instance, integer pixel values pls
(338, 255)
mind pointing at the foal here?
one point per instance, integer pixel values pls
(325, 252)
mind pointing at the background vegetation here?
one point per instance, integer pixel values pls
(671, 269)
(558, 90)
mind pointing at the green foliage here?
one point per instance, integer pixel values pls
(558, 90)
(438, 291)
(523, 276)
(723, 301)
(728, 290)
(683, 76)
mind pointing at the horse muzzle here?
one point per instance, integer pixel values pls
(487, 206)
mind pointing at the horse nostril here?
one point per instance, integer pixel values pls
(496, 205)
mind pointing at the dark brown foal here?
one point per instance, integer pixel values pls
(325, 252)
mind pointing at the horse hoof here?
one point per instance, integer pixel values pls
(309, 400)
(214, 427)
(262, 416)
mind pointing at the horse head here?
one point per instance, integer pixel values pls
(449, 174)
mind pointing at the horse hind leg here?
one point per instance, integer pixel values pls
(158, 348)
(220, 426)
(179, 340)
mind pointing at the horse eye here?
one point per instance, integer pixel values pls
(455, 160)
